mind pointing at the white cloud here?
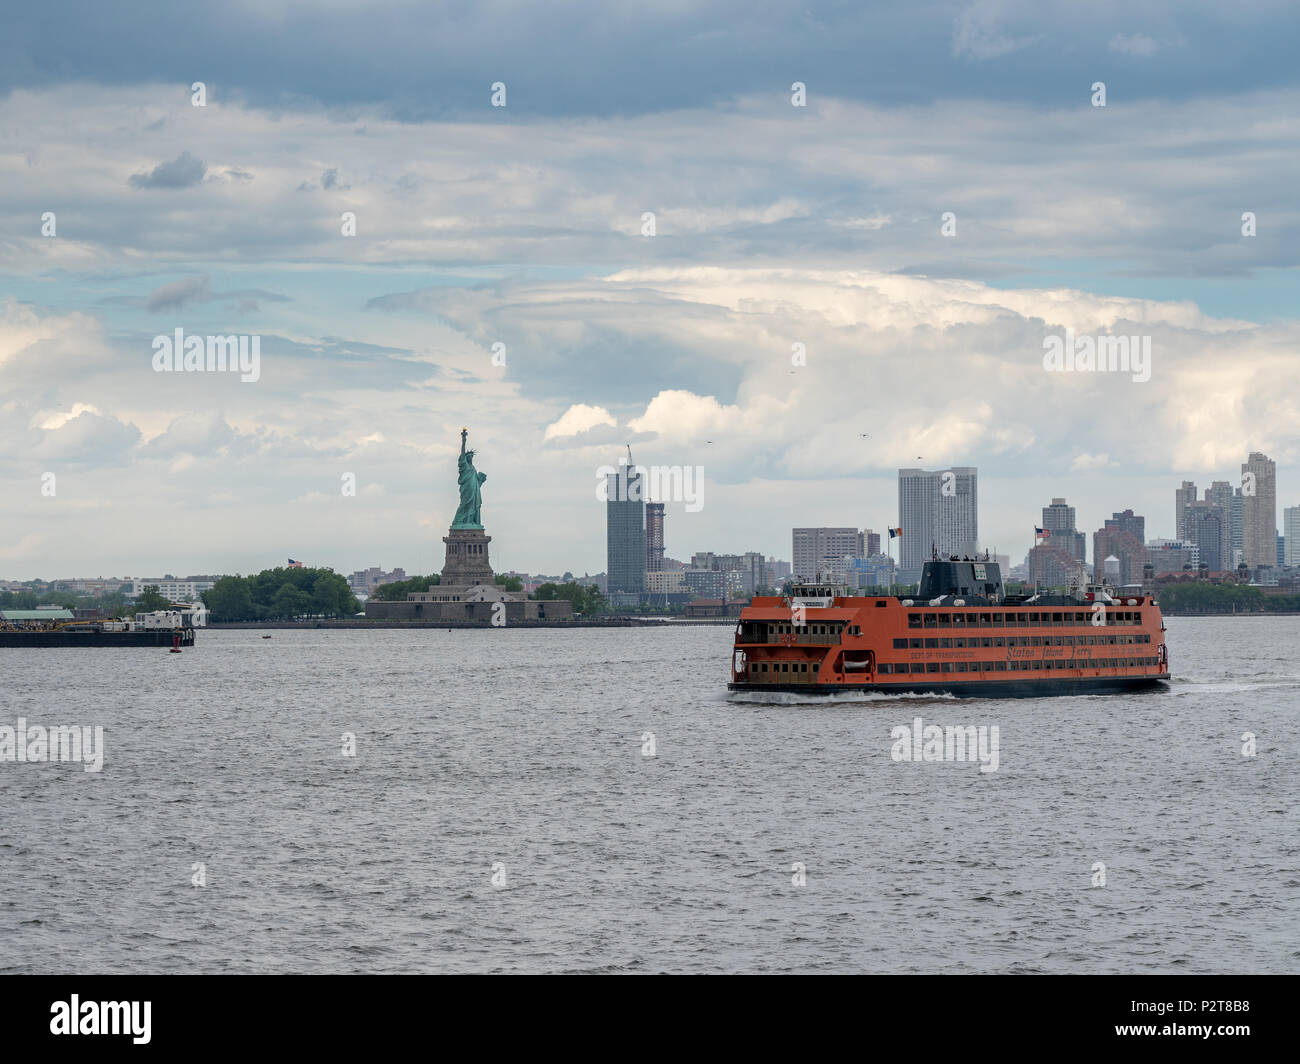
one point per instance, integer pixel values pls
(578, 418)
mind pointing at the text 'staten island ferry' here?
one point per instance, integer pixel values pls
(960, 635)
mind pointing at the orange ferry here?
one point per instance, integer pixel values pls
(960, 635)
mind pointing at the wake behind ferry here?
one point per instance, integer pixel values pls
(961, 634)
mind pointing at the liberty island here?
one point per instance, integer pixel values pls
(468, 590)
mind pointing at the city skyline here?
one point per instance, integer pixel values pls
(680, 517)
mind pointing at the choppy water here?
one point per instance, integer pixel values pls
(524, 748)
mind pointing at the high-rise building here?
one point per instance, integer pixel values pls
(1291, 535)
(1058, 519)
(1207, 527)
(1259, 510)
(937, 509)
(870, 543)
(625, 530)
(1053, 566)
(1236, 527)
(1123, 545)
(1219, 493)
(1182, 496)
(1127, 521)
(813, 547)
(654, 537)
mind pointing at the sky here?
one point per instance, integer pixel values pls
(795, 247)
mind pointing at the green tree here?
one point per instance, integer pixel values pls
(510, 583)
(397, 592)
(150, 599)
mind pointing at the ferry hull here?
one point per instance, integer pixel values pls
(160, 637)
(1053, 688)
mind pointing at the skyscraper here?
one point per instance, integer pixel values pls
(1058, 519)
(1127, 521)
(1182, 496)
(1259, 510)
(1207, 525)
(654, 537)
(939, 508)
(1291, 534)
(1219, 493)
(813, 547)
(625, 530)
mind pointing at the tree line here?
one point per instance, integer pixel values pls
(281, 594)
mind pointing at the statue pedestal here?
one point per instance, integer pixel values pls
(467, 557)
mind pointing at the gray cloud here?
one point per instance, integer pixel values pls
(182, 172)
(175, 295)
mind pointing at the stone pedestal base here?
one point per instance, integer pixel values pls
(467, 557)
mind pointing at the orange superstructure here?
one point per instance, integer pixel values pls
(960, 635)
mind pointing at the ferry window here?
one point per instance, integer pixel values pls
(1038, 666)
(900, 644)
(1000, 666)
(914, 620)
(932, 644)
(785, 667)
(997, 620)
(945, 644)
(959, 620)
(931, 666)
(961, 666)
(1015, 666)
(1035, 641)
(947, 666)
(919, 666)
(915, 644)
(945, 620)
(931, 620)
(986, 642)
(999, 641)
(1058, 640)
(886, 667)
(1137, 617)
(1069, 640)
(1033, 618)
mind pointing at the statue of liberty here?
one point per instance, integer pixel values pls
(470, 480)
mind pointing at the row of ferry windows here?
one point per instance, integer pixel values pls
(1022, 619)
(1051, 665)
(1021, 641)
(809, 629)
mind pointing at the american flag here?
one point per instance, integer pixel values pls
(294, 565)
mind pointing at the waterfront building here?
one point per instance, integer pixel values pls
(1172, 556)
(937, 509)
(1208, 528)
(813, 547)
(1182, 496)
(170, 588)
(654, 537)
(1058, 519)
(625, 538)
(1259, 510)
(1291, 535)
(1127, 549)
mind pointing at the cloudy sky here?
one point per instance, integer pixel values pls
(524, 226)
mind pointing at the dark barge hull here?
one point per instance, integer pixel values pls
(161, 637)
(1053, 688)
